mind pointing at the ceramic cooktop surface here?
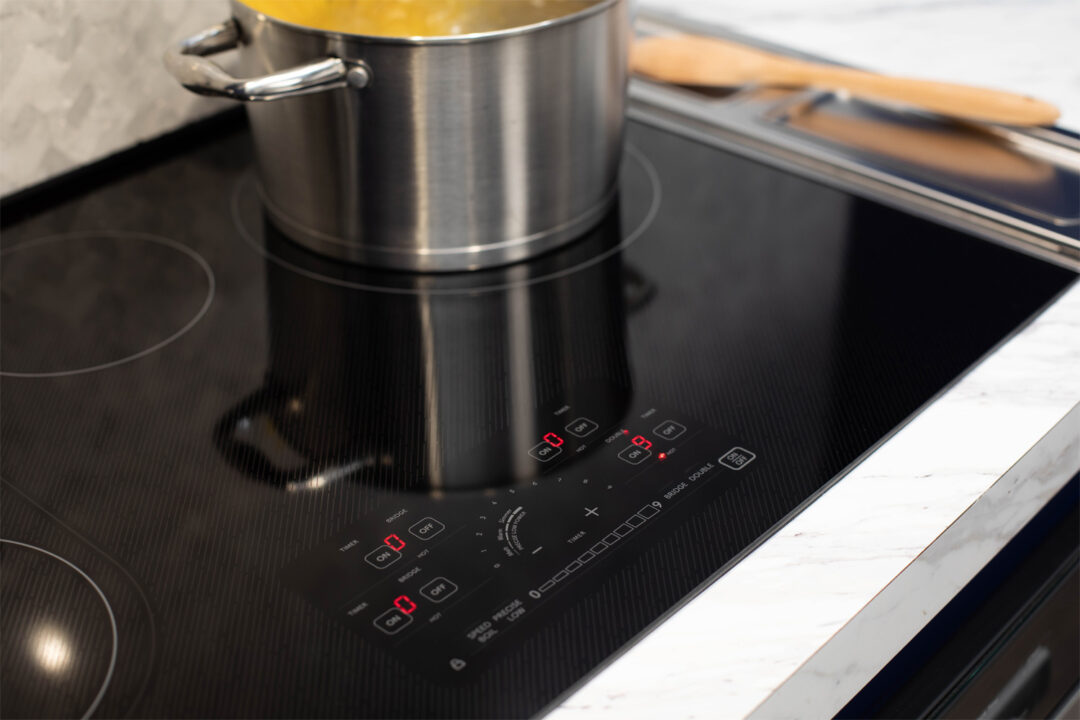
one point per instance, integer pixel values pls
(242, 480)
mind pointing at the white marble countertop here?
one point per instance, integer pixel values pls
(802, 623)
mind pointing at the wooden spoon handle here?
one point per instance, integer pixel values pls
(695, 60)
(960, 101)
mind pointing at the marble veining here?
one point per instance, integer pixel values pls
(758, 626)
(867, 642)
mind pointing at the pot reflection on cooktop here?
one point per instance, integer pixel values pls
(440, 384)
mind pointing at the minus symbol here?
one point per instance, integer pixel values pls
(537, 549)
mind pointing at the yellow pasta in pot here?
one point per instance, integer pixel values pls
(416, 18)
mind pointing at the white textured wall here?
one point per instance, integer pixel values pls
(81, 79)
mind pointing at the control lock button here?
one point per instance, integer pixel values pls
(634, 455)
(581, 427)
(392, 621)
(382, 557)
(737, 458)
(427, 528)
(669, 430)
(438, 590)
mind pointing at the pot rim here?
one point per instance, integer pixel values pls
(241, 7)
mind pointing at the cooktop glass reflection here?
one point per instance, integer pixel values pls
(306, 488)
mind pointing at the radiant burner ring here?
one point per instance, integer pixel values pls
(108, 609)
(147, 237)
(249, 237)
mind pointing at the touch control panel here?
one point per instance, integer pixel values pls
(441, 581)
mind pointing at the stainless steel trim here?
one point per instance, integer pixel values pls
(997, 515)
(1031, 145)
(1069, 707)
(855, 182)
(744, 123)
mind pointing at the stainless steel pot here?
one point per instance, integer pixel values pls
(430, 154)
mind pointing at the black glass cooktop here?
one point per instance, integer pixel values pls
(241, 480)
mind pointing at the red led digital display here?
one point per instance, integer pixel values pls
(641, 442)
(553, 440)
(394, 542)
(404, 604)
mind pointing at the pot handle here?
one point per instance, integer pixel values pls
(187, 62)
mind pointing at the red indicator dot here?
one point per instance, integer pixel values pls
(404, 604)
(625, 432)
(394, 542)
(662, 456)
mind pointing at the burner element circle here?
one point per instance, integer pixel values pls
(60, 637)
(247, 209)
(80, 302)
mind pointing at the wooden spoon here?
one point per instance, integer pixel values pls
(693, 60)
